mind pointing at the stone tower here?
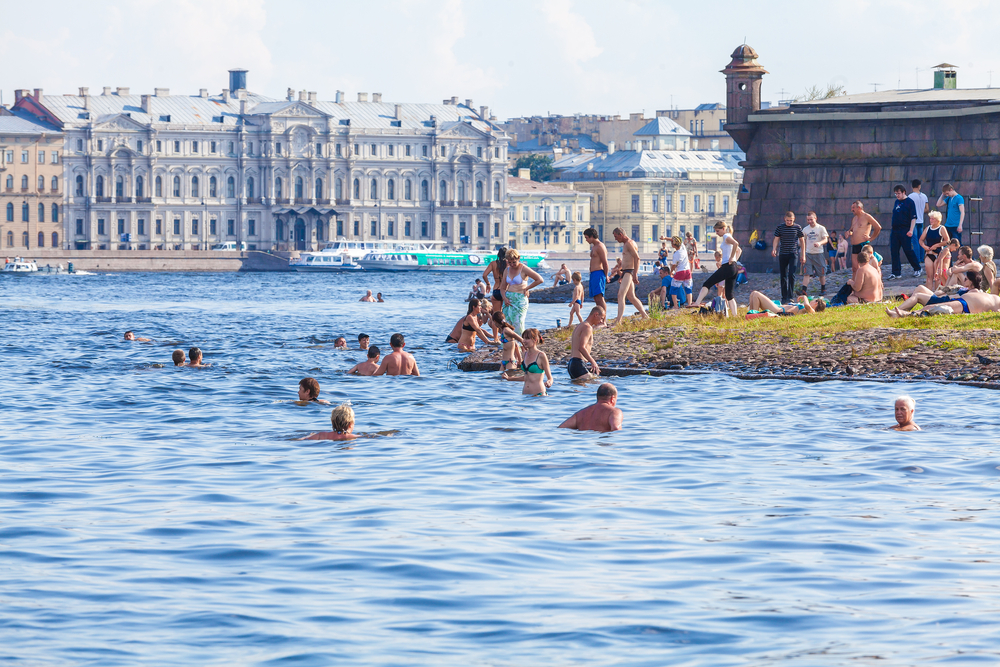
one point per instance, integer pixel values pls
(743, 79)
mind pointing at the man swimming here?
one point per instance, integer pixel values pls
(194, 354)
(378, 298)
(363, 340)
(131, 336)
(309, 391)
(399, 362)
(370, 365)
(367, 298)
(904, 409)
(340, 343)
(583, 339)
(601, 416)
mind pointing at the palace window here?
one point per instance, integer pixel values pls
(277, 187)
(55, 239)
(635, 203)
(79, 186)
(231, 187)
(390, 155)
(100, 186)
(318, 189)
(339, 188)
(298, 187)
(408, 191)
(55, 213)
(725, 203)
(177, 186)
(373, 190)
(213, 187)
(252, 227)
(407, 155)
(119, 186)
(424, 192)
(697, 203)
(425, 155)
(250, 188)
(496, 191)
(230, 228)
(277, 148)
(656, 203)
(479, 191)
(158, 185)
(41, 183)
(138, 186)
(41, 213)
(357, 190)
(443, 191)
(194, 186)
(390, 191)
(177, 147)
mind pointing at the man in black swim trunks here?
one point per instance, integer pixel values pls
(864, 230)
(583, 339)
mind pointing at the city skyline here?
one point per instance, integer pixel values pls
(559, 57)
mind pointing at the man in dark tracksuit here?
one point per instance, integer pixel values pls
(904, 219)
(788, 238)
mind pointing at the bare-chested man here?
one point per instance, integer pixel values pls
(903, 410)
(398, 362)
(583, 339)
(867, 281)
(598, 267)
(630, 275)
(973, 301)
(562, 274)
(864, 230)
(601, 416)
(367, 298)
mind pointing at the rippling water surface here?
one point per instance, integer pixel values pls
(156, 515)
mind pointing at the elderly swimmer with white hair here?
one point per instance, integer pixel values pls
(905, 407)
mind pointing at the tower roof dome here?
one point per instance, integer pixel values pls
(744, 58)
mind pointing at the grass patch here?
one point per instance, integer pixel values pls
(949, 345)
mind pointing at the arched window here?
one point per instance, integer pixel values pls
(177, 186)
(408, 190)
(119, 187)
(298, 187)
(139, 186)
(158, 184)
(24, 239)
(79, 186)
(277, 187)
(374, 189)
(357, 189)
(231, 187)
(339, 189)
(55, 183)
(390, 190)
(10, 239)
(41, 213)
(318, 191)
(10, 182)
(10, 214)
(24, 182)
(55, 239)
(55, 216)
(100, 186)
(479, 191)
(250, 187)
(194, 186)
(496, 191)
(41, 239)
(41, 183)
(461, 191)
(443, 191)
(24, 214)
(425, 192)
(213, 187)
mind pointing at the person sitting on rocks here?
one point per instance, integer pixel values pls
(660, 295)
(616, 272)
(904, 409)
(985, 253)
(866, 285)
(561, 276)
(601, 416)
(760, 303)
(963, 263)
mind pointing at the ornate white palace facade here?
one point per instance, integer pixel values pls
(185, 172)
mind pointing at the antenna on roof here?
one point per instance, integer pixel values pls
(875, 85)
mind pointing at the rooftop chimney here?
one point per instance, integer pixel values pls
(84, 91)
(225, 96)
(237, 80)
(122, 91)
(38, 94)
(524, 173)
(21, 92)
(611, 147)
(468, 103)
(243, 106)
(362, 97)
(312, 96)
(339, 99)
(290, 95)
(454, 100)
(484, 112)
(302, 96)
(377, 98)
(161, 92)
(107, 90)
(399, 111)
(146, 103)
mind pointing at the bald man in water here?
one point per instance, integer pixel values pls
(601, 416)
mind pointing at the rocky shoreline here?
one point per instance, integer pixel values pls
(880, 354)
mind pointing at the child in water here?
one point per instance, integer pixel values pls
(370, 365)
(507, 336)
(309, 392)
(178, 357)
(577, 303)
(535, 365)
(342, 423)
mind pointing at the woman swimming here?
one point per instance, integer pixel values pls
(535, 365)
(342, 423)
(471, 328)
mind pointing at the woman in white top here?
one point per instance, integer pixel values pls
(731, 252)
(515, 290)
(680, 272)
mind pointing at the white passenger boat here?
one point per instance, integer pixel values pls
(315, 262)
(19, 266)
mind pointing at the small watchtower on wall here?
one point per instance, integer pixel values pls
(743, 80)
(945, 76)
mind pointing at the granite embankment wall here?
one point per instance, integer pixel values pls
(824, 165)
(159, 260)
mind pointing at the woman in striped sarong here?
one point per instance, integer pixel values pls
(515, 289)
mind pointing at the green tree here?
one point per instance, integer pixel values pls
(540, 166)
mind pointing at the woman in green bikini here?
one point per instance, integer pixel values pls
(535, 365)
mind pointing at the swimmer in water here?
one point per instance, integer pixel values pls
(363, 340)
(370, 365)
(511, 356)
(368, 298)
(340, 343)
(577, 303)
(194, 354)
(178, 357)
(131, 336)
(601, 416)
(378, 298)
(905, 407)
(537, 375)
(309, 392)
(342, 423)
(399, 361)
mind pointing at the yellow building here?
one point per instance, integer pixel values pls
(546, 217)
(30, 184)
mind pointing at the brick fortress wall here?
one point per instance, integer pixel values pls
(825, 165)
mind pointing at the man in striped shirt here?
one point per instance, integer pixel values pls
(788, 239)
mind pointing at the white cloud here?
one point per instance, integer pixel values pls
(571, 31)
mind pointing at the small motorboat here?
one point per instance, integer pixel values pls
(19, 266)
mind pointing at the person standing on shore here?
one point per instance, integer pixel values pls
(816, 239)
(515, 292)
(731, 252)
(576, 305)
(904, 409)
(788, 239)
(602, 416)
(904, 220)
(630, 275)
(864, 230)
(934, 242)
(691, 244)
(598, 268)
(583, 340)
(919, 200)
(494, 270)
(954, 203)
(680, 273)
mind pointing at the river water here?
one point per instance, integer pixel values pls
(154, 515)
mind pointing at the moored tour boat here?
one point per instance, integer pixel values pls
(19, 266)
(424, 259)
(324, 261)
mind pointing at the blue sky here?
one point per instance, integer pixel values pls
(519, 57)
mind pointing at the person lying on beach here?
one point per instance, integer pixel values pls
(759, 302)
(583, 339)
(904, 408)
(537, 375)
(367, 298)
(577, 303)
(601, 416)
(370, 365)
(340, 343)
(194, 354)
(511, 355)
(131, 336)
(309, 392)
(178, 357)
(342, 423)
(363, 341)
(972, 301)
(399, 362)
